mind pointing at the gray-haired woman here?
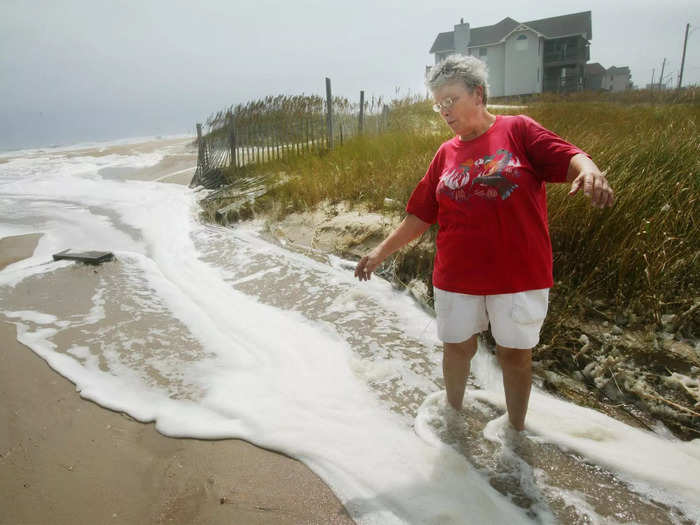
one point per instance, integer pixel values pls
(486, 190)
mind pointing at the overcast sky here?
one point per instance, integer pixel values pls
(77, 70)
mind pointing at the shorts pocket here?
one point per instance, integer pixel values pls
(530, 307)
(443, 302)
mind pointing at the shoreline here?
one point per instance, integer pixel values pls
(67, 460)
(60, 453)
(15, 248)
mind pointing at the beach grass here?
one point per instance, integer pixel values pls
(642, 255)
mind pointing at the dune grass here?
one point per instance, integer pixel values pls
(644, 253)
(642, 256)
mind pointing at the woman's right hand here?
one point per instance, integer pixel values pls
(367, 265)
(410, 228)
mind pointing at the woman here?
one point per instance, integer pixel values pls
(486, 189)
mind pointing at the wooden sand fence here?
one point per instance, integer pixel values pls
(276, 128)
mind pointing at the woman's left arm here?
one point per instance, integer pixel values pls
(583, 173)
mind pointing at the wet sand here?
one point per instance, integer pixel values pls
(66, 460)
(17, 247)
(177, 166)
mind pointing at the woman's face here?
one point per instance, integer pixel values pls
(462, 115)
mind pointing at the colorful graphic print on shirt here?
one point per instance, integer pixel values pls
(489, 177)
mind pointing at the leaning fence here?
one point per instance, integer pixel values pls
(276, 128)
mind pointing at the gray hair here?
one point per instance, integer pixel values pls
(459, 68)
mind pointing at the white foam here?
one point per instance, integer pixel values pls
(664, 468)
(34, 317)
(15, 273)
(10, 230)
(100, 145)
(59, 166)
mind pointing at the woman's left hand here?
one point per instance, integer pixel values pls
(595, 186)
(586, 175)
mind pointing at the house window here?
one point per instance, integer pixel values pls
(482, 51)
(521, 42)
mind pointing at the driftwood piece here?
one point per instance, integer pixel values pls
(90, 257)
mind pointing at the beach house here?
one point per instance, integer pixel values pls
(597, 78)
(617, 79)
(548, 54)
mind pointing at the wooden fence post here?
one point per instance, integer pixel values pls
(329, 113)
(285, 143)
(313, 133)
(256, 139)
(277, 141)
(201, 160)
(385, 117)
(231, 139)
(361, 122)
(246, 147)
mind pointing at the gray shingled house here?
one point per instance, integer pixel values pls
(593, 75)
(525, 57)
(617, 79)
(596, 77)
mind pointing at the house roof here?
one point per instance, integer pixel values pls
(594, 69)
(444, 42)
(624, 70)
(558, 26)
(490, 34)
(554, 27)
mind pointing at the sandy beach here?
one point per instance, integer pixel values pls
(65, 460)
(17, 247)
(177, 166)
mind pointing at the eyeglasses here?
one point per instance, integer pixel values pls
(445, 104)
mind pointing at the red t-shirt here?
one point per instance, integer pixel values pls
(488, 197)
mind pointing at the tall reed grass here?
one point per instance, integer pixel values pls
(687, 95)
(643, 254)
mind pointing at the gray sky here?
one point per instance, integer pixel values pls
(77, 70)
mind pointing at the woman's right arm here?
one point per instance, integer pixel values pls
(410, 228)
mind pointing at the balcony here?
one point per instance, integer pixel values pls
(561, 56)
(565, 51)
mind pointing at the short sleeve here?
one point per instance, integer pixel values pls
(423, 202)
(549, 154)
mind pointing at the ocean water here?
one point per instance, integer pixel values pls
(216, 333)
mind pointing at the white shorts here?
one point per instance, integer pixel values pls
(516, 318)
